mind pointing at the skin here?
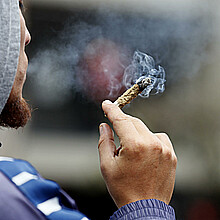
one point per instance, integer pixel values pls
(22, 63)
(17, 112)
(143, 167)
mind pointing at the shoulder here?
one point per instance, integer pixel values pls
(25, 186)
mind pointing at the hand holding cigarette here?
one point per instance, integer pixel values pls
(144, 165)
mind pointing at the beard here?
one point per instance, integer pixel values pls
(15, 114)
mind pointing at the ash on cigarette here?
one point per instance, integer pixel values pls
(141, 67)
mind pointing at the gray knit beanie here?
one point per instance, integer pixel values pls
(9, 47)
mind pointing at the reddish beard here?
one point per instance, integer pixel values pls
(15, 114)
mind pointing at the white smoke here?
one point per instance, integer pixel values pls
(178, 44)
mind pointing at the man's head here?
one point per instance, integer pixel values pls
(14, 110)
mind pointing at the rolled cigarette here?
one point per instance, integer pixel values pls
(133, 92)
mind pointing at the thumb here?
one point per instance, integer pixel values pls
(106, 145)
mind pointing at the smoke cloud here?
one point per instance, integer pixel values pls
(178, 44)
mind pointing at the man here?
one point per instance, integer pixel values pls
(140, 175)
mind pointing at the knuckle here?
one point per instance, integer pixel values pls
(136, 147)
(168, 155)
(175, 160)
(140, 143)
(171, 157)
(140, 148)
(131, 142)
(164, 135)
(156, 146)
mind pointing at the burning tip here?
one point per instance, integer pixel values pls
(143, 82)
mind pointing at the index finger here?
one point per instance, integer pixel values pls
(122, 123)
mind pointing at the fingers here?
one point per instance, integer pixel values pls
(129, 128)
(165, 139)
(112, 111)
(122, 123)
(167, 143)
(106, 145)
(140, 126)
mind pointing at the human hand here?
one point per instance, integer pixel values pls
(144, 165)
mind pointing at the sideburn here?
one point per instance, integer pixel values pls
(15, 114)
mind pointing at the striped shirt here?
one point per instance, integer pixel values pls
(24, 194)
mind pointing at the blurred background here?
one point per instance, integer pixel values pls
(78, 55)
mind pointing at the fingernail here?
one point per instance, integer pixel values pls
(101, 130)
(107, 102)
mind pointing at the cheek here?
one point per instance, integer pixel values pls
(21, 74)
(22, 63)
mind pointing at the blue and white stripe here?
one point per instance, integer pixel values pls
(43, 194)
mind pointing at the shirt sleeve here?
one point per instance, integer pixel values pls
(145, 210)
